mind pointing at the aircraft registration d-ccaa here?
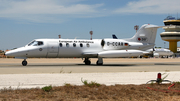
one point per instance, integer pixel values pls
(97, 48)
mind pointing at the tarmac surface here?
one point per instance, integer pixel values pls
(57, 72)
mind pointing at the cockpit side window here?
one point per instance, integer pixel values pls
(40, 43)
(31, 43)
(36, 43)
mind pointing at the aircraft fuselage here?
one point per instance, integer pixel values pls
(66, 48)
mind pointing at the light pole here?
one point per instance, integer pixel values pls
(91, 33)
(136, 28)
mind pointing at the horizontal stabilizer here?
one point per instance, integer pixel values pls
(153, 26)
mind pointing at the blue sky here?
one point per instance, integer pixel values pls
(21, 21)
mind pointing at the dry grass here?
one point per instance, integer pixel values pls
(101, 93)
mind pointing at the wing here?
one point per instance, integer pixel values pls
(90, 55)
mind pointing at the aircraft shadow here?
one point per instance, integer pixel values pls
(166, 64)
(67, 65)
(83, 65)
(109, 65)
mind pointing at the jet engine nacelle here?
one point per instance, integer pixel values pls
(120, 53)
(114, 44)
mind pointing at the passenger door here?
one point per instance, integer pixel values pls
(53, 49)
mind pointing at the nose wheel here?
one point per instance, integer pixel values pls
(24, 63)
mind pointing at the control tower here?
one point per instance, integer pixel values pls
(172, 32)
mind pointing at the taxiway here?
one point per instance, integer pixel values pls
(57, 72)
(13, 66)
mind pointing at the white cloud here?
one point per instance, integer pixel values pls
(46, 10)
(151, 7)
(57, 11)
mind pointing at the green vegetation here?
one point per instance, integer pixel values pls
(67, 84)
(165, 76)
(178, 82)
(62, 71)
(47, 88)
(90, 84)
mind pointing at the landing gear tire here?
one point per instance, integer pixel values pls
(99, 63)
(87, 61)
(24, 63)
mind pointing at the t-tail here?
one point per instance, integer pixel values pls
(146, 34)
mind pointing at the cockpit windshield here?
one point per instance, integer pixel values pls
(35, 43)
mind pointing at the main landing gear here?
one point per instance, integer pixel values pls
(88, 62)
(24, 62)
(99, 61)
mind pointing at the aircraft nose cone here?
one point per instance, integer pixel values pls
(19, 52)
(7, 53)
(12, 53)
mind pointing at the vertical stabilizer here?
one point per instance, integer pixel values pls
(146, 34)
(114, 36)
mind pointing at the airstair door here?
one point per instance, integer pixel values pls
(53, 49)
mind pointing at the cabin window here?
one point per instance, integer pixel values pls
(67, 44)
(74, 45)
(88, 45)
(60, 44)
(81, 45)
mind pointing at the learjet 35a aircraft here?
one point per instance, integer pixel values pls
(97, 48)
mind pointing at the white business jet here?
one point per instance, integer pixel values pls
(97, 48)
(161, 52)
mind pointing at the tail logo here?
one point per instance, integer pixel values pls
(142, 39)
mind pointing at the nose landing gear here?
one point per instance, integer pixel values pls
(24, 62)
